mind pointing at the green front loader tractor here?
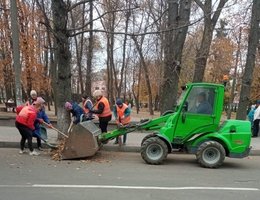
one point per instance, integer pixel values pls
(195, 127)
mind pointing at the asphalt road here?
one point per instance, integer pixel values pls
(118, 175)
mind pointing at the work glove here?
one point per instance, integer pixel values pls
(120, 125)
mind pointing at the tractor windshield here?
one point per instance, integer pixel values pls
(201, 100)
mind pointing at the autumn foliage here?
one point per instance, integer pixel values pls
(32, 51)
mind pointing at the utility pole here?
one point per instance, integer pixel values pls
(16, 52)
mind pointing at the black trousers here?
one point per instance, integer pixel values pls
(256, 127)
(103, 123)
(103, 126)
(26, 134)
(39, 143)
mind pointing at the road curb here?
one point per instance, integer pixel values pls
(112, 148)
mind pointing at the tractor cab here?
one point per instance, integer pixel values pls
(199, 111)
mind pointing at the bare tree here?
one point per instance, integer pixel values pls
(6, 51)
(16, 51)
(146, 74)
(124, 63)
(90, 51)
(178, 20)
(253, 42)
(136, 93)
(79, 42)
(210, 21)
(109, 23)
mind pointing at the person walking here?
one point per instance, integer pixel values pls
(251, 117)
(102, 110)
(24, 122)
(122, 115)
(87, 105)
(256, 119)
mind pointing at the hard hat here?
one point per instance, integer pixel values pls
(33, 93)
(97, 93)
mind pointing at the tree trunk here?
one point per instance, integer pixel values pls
(146, 74)
(63, 56)
(178, 19)
(203, 53)
(136, 76)
(253, 41)
(79, 50)
(16, 52)
(123, 68)
(90, 52)
(112, 78)
(235, 75)
(51, 52)
(209, 25)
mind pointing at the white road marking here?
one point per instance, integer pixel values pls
(128, 187)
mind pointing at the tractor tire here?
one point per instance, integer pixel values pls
(154, 150)
(146, 137)
(211, 154)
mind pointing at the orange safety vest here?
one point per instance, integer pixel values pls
(120, 114)
(106, 112)
(86, 110)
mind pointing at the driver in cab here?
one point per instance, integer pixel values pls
(203, 106)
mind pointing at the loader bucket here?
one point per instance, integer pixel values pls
(82, 141)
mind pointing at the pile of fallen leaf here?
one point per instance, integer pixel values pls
(98, 157)
(56, 153)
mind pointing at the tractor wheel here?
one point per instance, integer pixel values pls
(146, 137)
(210, 154)
(154, 150)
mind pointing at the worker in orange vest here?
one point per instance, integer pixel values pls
(87, 105)
(225, 79)
(102, 110)
(122, 115)
(33, 97)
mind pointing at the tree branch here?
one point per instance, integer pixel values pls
(218, 11)
(201, 5)
(138, 34)
(79, 3)
(99, 17)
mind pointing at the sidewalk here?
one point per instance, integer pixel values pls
(10, 138)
